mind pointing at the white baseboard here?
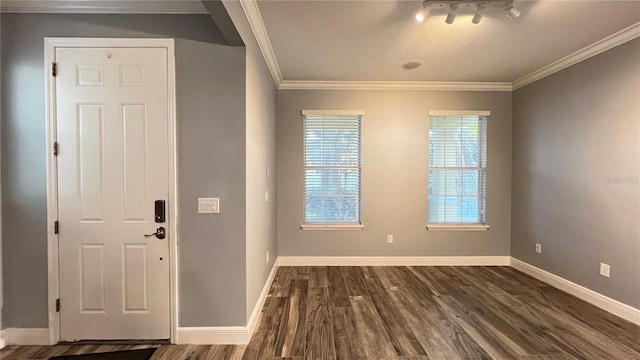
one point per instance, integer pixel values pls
(257, 309)
(606, 303)
(228, 334)
(393, 260)
(26, 336)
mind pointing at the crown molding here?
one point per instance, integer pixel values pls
(102, 7)
(254, 17)
(395, 85)
(594, 49)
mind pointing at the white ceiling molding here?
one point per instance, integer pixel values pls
(594, 49)
(260, 32)
(103, 7)
(395, 85)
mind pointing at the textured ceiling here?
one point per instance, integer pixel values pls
(370, 40)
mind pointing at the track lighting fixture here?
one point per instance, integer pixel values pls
(456, 7)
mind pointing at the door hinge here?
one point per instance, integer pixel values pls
(55, 149)
(58, 305)
(54, 69)
(56, 227)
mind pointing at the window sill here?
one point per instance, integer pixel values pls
(446, 227)
(348, 227)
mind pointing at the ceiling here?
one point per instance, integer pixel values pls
(362, 44)
(370, 40)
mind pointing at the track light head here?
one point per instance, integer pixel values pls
(478, 16)
(450, 18)
(452, 14)
(513, 13)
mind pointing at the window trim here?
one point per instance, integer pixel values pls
(348, 226)
(459, 226)
(486, 113)
(332, 226)
(333, 112)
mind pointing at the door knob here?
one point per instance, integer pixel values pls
(160, 233)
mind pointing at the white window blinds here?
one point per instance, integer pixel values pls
(457, 168)
(332, 167)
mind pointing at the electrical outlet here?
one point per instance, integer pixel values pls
(605, 269)
(389, 239)
(267, 256)
(539, 248)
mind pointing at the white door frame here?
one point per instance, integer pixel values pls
(50, 45)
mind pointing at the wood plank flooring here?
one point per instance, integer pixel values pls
(408, 313)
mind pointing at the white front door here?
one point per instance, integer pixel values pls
(112, 133)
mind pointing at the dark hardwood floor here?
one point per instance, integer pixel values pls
(409, 313)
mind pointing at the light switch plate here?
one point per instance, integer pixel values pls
(605, 270)
(208, 205)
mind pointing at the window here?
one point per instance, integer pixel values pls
(332, 167)
(457, 170)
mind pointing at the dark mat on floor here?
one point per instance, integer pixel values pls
(142, 354)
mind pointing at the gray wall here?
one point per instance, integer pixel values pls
(394, 174)
(211, 163)
(261, 155)
(211, 151)
(575, 173)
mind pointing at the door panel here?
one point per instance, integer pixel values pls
(134, 156)
(90, 161)
(136, 278)
(112, 129)
(92, 286)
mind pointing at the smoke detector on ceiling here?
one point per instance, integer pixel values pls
(411, 65)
